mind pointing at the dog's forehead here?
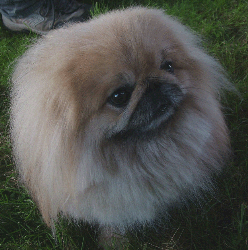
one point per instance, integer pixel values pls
(129, 32)
(133, 46)
(133, 51)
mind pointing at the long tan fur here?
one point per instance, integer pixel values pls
(62, 125)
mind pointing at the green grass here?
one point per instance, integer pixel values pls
(221, 222)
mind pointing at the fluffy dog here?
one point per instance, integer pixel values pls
(115, 119)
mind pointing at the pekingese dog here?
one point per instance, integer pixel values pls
(115, 119)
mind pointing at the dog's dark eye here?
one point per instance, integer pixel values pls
(167, 65)
(121, 97)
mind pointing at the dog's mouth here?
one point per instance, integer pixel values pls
(155, 109)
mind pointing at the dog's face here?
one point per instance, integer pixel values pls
(128, 79)
(117, 117)
(137, 91)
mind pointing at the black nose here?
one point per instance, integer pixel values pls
(153, 84)
(158, 85)
(160, 99)
(156, 106)
(163, 93)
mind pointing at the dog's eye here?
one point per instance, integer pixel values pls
(120, 97)
(167, 65)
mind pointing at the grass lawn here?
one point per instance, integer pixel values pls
(218, 222)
